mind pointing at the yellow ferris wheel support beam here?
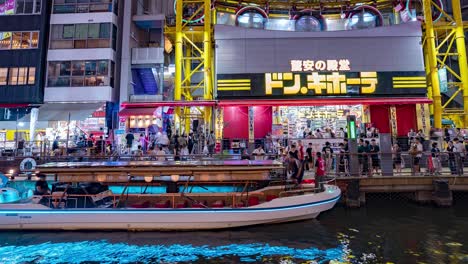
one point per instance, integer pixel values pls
(439, 41)
(193, 56)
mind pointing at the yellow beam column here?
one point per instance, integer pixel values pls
(462, 61)
(187, 76)
(178, 57)
(432, 59)
(208, 60)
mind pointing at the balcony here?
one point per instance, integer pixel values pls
(147, 55)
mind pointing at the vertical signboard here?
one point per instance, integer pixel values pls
(443, 83)
(423, 114)
(393, 121)
(251, 125)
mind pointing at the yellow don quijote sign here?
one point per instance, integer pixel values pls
(320, 83)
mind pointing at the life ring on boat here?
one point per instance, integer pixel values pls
(27, 164)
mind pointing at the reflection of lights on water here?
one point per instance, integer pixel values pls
(104, 252)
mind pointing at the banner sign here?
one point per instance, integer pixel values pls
(321, 84)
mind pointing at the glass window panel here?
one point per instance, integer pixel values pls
(81, 31)
(90, 67)
(90, 81)
(20, 7)
(53, 70)
(57, 31)
(93, 31)
(65, 68)
(13, 76)
(102, 81)
(63, 82)
(104, 31)
(68, 31)
(35, 39)
(37, 6)
(64, 9)
(78, 68)
(80, 44)
(5, 40)
(22, 75)
(28, 6)
(82, 9)
(103, 68)
(26, 40)
(3, 76)
(98, 43)
(77, 81)
(61, 44)
(100, 8)
(16, 43)
(32, 76)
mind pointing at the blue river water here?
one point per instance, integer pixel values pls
(385, 231)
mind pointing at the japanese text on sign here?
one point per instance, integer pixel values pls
(320, 84)
(320, 65)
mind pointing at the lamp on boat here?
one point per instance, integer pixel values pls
(175, 178)
(101, 177)
(148, 178)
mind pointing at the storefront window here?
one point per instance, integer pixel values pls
(3, 76)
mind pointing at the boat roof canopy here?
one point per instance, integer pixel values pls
(124, 171)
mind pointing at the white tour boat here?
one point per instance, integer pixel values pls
(80, 198)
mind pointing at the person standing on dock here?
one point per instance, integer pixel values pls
(319, 171)
(451, 158)
(375, 150)
(416, 152)
(460, 156)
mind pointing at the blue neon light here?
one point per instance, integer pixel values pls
(167, 211)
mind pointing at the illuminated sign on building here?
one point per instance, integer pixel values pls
(320, 65)
(319, 83)
(282, 85)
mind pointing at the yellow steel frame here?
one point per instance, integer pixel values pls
(193, 54)
(442, 39)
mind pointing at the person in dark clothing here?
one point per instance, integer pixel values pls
(375, 149)
(190, 142)
(55, 144)
(309, 157)
(100, 146)
(129, 137)
(41, 188)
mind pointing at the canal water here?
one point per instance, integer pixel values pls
(387, 230)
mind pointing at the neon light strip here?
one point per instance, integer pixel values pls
(168, 211)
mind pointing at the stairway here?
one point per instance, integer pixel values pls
(144, 82)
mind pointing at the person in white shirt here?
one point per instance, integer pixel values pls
(460, 149)
(160, 154)
(259, 153)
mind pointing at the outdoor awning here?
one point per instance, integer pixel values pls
(137, 111)
(168, 103)
(62, 111)
(331, 101)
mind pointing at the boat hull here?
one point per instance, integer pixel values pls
(280, 210)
